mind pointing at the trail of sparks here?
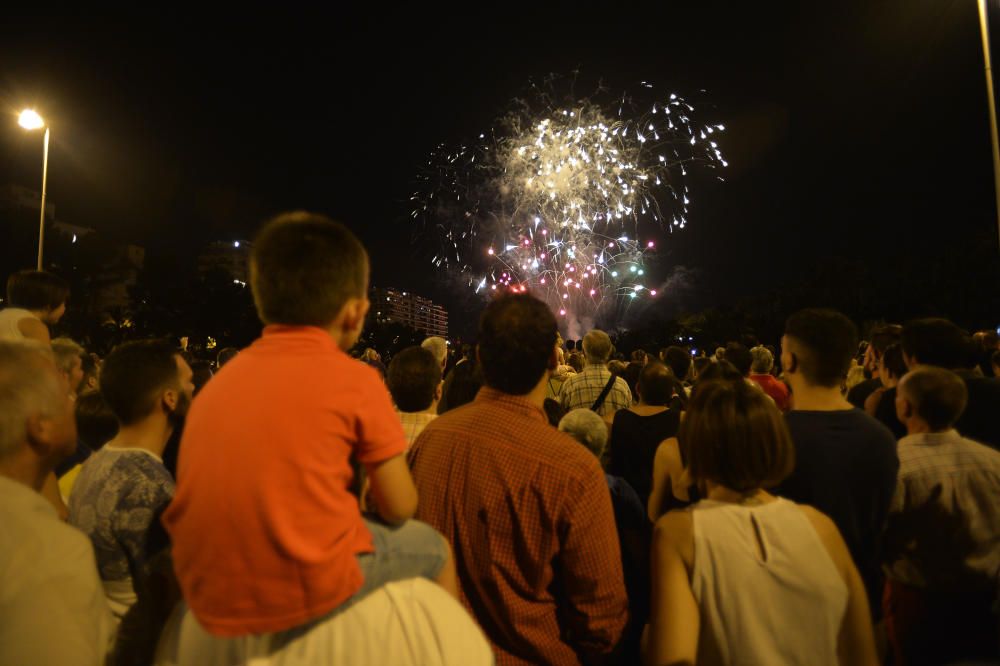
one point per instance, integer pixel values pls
(552, 201)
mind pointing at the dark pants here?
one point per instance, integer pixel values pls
(928, 627)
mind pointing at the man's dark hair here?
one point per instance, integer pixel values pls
(938, 396)
(678, 360)
(304, 268)
(517, 337)
(892, 359)
(655, 384)
(733, 435)
(740, 357)
(133, 376)
(96, 424)
(36, 290)
(937, 341)
(413, 375)
(225, 356)
(883, 336)
(700, 364)
(721, 371)
(826, 343)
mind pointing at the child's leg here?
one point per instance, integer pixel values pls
(410, 550)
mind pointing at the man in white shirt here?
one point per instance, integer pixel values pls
(52, 607)
(414, 380)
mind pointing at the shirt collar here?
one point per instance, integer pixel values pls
(514, 403)
(298, 336)
(16, 494)
(930, 438)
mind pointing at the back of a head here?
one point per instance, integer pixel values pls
(597, 346)
(734, 436)
(304, 269)
(225, 356)
(883, 336)
(763, 360)
(438, 347)
(517, 337)
(413, 376)
(586, 427)
(678, 360)
(937, 341)
(720, 370)
(575, 360)
(66, 352)
(892, 360)
(133, 376)
(638, 356)
(740, 357)
(29, 387)
(824, 344)
(617, 367)
(701, 364)
(36, 290)
(938, 396)
(96, 424)
(656, 385)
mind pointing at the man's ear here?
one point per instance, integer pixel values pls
(41, 435)
(553, 359)
(438, 390)
(794, 365)
(909, 361)
(169, 399)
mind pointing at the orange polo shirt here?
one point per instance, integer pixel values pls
(264, 530)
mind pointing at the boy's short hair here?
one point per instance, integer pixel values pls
(413, 375)
(96, 424)
(733, 435)
(303, 269)
(134, 374)
(36, 290)
(826, 342)
(738, 354)
(938, 396)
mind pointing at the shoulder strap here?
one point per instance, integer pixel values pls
(604, 394)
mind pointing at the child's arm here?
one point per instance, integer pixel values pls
(393, 490)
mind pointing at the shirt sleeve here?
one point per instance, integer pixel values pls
(380, 434)
(591, 567)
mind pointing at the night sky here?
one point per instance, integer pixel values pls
(856, 128)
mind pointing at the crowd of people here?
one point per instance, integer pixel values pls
(529, 500)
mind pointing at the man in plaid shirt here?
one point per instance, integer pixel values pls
(583, 389)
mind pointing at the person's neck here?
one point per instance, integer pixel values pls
(536, 396)
(25, 467)
(818, 398)
(644, 408)
(151, 434)
(917, 426)
(728, 495)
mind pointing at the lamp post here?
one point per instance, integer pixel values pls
(30, 120)
(985, 30)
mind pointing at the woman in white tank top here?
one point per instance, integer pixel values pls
(744, 577)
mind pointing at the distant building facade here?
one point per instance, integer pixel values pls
(405, 307)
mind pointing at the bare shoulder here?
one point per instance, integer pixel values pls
(34, 329)
(675, 530)
(668, 449)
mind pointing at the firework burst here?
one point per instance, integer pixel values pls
(565, 200)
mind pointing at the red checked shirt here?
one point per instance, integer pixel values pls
(528, 514)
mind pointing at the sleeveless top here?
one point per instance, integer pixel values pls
(767, 589)
(9, 318)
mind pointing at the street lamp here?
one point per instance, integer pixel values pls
(30, 120)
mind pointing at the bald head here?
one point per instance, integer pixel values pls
(597, 346)
(933, 395)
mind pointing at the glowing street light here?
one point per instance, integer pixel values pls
(30, 120)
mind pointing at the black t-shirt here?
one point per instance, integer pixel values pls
(981, 419)
(634, 440)
(885, 412)
(846, 466)
(859, 393)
